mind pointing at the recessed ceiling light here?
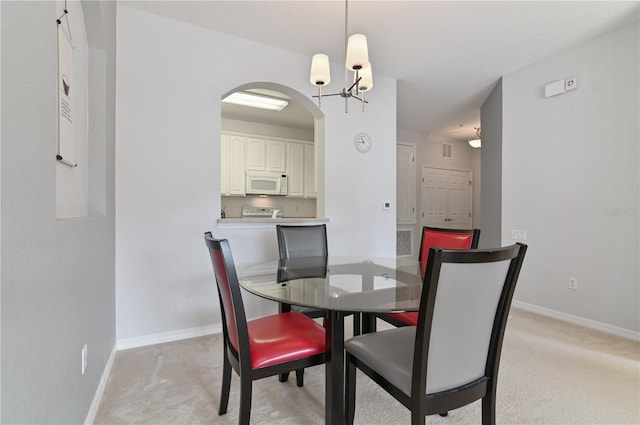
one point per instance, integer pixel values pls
(256, 101)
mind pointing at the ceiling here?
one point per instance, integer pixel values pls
(446, 55)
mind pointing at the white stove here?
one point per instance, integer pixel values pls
(261, 212)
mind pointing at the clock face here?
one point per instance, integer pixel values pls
(362, 142)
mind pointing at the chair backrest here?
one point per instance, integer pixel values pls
(463, 313)
(302, 241)
(445, 239)
(232, 308)
(302, 268)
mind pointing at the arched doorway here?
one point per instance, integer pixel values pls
(287, 142)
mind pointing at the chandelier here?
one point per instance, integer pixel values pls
(356, 61)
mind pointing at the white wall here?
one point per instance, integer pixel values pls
(171, 77)
(570, 178)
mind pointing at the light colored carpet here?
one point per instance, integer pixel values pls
(551, 372)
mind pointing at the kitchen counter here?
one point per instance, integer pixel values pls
(265, 222)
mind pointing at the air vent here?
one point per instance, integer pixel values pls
(404, 242)
(446, 150)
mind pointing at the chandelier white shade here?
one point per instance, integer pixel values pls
(357, 53)
(320, 72)
(366, 82)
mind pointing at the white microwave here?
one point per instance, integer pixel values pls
(262, 183)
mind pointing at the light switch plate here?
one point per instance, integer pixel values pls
(518, 234)
(552, 89)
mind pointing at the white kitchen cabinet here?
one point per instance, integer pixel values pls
(276, 159)
(310, 176)
(256, 154)
(247, 152)
(266, 155)
(232, 165)
(295, 169)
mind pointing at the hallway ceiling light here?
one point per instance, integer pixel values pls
(477, 142)
(357, 60)
(256, 101)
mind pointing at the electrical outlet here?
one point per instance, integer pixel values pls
(573, 283)
(84, 359)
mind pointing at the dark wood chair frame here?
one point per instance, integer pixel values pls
(241, 361)
(389, 318)
(484, 388)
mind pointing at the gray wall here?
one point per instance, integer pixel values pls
(57, 276)
(570, 177)
(491, 165)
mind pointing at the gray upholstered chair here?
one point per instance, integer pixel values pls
(451, 358)
(300, 242)
(296, 241)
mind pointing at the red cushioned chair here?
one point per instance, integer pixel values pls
(440, 238)
(262, 347)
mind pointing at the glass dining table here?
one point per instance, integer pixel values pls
(340, 286)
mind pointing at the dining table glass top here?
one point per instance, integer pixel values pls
(355, 284)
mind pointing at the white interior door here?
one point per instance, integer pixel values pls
(406, 184)
(446, 198)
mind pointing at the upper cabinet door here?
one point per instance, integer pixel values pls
(236, 160)
(224, 164)
(276, 156)
(295, 169)
(256, 154)
(310, 176)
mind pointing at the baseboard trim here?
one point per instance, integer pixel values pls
(97, 398)
(577, 320)
(159, 338)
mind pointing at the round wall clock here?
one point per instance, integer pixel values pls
(362, 142)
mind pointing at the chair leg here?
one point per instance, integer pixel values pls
(489, 409)
(226, 384)
(350, 392)
(283, 377)
(246, 388)
(417, 418)
(357, 325)
(300, 377)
